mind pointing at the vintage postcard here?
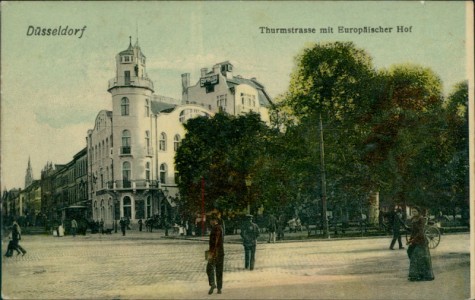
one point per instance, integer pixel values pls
(313, 149)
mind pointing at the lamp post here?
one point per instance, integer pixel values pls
(324, 183)
(165, 195)
(248, 181)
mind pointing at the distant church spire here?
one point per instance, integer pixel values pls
(29, 174)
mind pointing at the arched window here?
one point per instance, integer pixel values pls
(124, 106)
(147, 170)
(95, 212)
(176, 142)
(163, 173)
(102, 210)
(127, 204)
(125, 149)
(163, 142)
(126, 174)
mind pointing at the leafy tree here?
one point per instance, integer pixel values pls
(455, 179)
(334, 81)
(402, 145)
(221, 152)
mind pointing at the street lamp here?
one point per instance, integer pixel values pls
(165, 195)
(248, 187)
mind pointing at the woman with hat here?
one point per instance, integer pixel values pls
(420, 266)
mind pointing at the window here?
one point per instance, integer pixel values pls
(147, 108)
(163, 173)
(126, 174)
(125, 149)
(147, 143)
(102, 210)
(147, 171)
(221, 102)
(163, 142)
(127, 204)
(176, 142)
(139, 209)
(124, 106)
(209, 89)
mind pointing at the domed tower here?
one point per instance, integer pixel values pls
(131, 91)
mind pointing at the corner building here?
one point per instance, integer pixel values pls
(131, 149)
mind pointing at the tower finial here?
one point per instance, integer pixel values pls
(137, 31)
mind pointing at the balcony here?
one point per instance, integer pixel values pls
(141, 184)
(132, 81)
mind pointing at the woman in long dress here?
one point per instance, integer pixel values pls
(420, 267)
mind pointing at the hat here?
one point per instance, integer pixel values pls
(249, 216)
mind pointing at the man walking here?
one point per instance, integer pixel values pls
(271, 228)
(14, 243)
(397, 222)
(123, 225)
(249, 234)
(74, 227)
(214, 268)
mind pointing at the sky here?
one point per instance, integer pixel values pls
(52, 87)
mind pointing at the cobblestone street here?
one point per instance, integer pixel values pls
(145, 265)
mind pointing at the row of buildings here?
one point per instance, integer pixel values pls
(127, 167)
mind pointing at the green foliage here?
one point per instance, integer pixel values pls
(223, 151)
(332, 79)
(388, 131)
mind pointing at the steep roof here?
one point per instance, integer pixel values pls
(264, 99)
(158, 106)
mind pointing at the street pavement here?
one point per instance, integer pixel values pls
(145, 265)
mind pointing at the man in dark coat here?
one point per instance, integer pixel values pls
(215, 264)
(397, 222)
(123, 225)
(249, 234)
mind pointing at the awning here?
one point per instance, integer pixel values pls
(74, 207)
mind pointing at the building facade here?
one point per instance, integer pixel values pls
(219, 90)
(131, 148)
(127, 169)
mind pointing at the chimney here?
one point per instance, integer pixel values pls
(204, 71)
(216, 69)
(185, 83)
